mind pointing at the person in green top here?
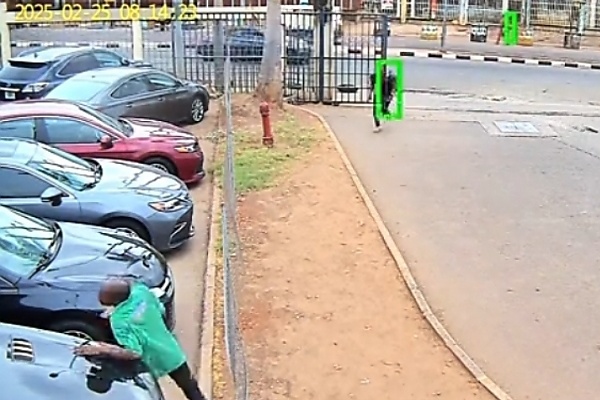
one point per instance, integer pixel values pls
(137, 323)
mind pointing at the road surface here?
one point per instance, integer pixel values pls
(501, 232)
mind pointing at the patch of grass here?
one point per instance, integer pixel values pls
(257, 167)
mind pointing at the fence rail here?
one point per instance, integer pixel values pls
(233, 261)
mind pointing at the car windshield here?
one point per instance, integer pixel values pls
(118, 124)
(23, 71)
(77, 90)
(26, 243)
(65, 168)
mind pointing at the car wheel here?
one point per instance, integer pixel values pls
(128, 227)
(197, 110)
(161, 163)
(81, 329)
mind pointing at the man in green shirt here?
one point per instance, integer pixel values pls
(138, 326)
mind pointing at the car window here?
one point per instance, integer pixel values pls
(161, 82)
(63, 131)
(76, 89)
(25, 241)
(106, 59)
(17, 184)
(78, 64)
(133, 86)
(18, 128)
(70, 170)
(23, 70)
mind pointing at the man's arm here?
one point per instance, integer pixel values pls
(130, 347)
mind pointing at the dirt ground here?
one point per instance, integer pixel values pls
(325, 314)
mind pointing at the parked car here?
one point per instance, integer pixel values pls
(247, 44)
(38, 364)
(51, 272)
(83, 131)
(134, 198)
(35, 72)
(136, 92)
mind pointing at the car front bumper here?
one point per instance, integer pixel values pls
(191, 167)
(169, 230)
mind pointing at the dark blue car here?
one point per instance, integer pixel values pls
(35, 72)
(247, 44)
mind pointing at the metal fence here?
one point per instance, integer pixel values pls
(326, 56)
(232, 254)
(547, 13)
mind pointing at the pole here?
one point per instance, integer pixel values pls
(177, 38)
(403, 9)
(527, 15)
(444, 23)
(219, 50)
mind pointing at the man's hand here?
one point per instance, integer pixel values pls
(91, 349)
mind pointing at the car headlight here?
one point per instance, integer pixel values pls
(168, 205)
(188, 148)
(35, 87)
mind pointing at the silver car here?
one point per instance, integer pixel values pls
(137, 199)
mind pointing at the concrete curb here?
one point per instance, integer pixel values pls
(208, 319)
(108, 45)
(410, 281)
(500, 59)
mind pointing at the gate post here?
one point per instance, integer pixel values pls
(5, 49)
(177, 38)
(137, 37)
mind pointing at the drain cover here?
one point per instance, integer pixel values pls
(516, 127)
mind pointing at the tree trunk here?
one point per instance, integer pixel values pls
(270, 85)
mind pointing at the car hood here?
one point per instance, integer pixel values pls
(119, 176)
(158, 130)
(91, 253)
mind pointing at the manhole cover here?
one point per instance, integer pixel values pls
(516, 127)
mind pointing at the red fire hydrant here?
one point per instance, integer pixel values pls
(265, 114)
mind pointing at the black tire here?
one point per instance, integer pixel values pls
(162, 164)
(81, 329)
(198, 100)
(129, 225)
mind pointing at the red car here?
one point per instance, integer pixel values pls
(83, 131)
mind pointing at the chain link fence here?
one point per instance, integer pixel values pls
(232, 254)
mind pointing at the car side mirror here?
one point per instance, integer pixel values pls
(125, 61)
(106, 142)
(53, 196)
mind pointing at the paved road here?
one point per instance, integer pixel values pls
(516, 82)
(502, 235)
(462, 45)
(191, 37)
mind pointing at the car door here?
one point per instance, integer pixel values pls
(22, 128)
(79, 138)
(22, 191)
(133, 98)
(171, 96)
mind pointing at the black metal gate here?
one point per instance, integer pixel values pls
(344, 51)
(326, 57)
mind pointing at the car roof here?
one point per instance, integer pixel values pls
(15, 151)
(49, 54)
(39, 364)
(111, 74)
(45, 106)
